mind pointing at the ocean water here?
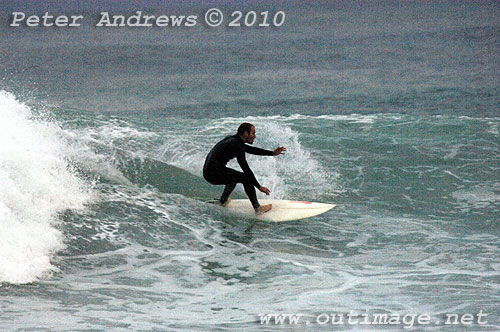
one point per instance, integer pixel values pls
(391, 110)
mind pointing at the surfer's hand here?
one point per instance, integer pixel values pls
(265, 190)
(279, 150)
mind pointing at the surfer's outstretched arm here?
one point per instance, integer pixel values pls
(264, 152)
(257, 151)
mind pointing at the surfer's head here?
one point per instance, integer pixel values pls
(247, 132)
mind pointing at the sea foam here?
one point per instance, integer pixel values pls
(36, 184)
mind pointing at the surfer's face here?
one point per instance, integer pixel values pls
(248, 137)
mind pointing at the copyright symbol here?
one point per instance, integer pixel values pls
(214, 17)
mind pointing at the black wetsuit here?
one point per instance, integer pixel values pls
(215, 170)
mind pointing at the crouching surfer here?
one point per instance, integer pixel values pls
(216, 172)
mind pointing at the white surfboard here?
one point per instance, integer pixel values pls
(283, 210)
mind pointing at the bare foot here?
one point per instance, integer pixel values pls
(263, 209)
(226, 203)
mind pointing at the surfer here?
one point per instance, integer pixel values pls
(216, 172)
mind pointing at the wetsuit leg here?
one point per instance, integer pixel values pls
(252, 195)
(228, 189)
(230, 178)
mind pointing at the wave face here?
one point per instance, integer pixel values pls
(36, 184)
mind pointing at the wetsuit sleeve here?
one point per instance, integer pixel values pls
(257, 151)
(246, 169)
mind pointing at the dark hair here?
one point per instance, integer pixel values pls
(244, 127)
